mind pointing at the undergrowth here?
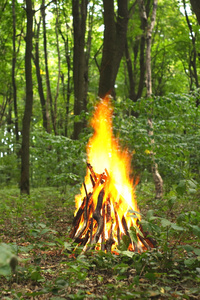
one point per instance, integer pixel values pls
(36, 259)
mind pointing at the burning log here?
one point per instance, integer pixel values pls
(94, 220)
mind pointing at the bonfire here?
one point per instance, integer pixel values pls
(106, 208)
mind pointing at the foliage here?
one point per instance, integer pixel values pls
(172, 50)
(176, 122)
(56, 160)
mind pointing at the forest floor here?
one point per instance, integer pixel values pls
(35, 229)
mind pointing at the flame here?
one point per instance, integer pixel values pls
(105, 157)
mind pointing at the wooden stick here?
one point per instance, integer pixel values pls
(93, 174)
(135, 247)
(77, 219)
(110, 241)
(117, 224)
(86, 214)
(98, 217)
(103, 246)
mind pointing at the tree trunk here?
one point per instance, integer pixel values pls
(132, 94)
(196, 8)
(144, 15)
(13, 72)
(68, 60)
(45, 115)
(79, 10)
(49, 100)
(59, 70)
(3, 108)
(193, 54)
(87, 54)
(114, 44)
(25, 186)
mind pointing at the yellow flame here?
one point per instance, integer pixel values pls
(104, 155)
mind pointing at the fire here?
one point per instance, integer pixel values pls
(106, 209)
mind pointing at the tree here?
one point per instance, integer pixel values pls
(144, 10)
(66, 88)
(13, 72)
(113, 45)
(193, 53)
(135, 54)
(36, 58)
(49, 98)
(25, 157)
(79, 10)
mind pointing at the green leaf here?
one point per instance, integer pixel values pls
(189, 262)
(150, 276)
(137, 230)
(192, 191)
(133, 235)
(176, 227)
(188, 248)
(196, 230)
(197, 251)
(126, 253)
(181, 188)
(134, 212)
(192, 184)
(149, 214)
(165, 222)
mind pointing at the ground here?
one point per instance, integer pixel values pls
(36, 229)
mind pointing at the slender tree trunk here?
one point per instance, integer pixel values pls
(144, 15)
(45, 115)
(114, 44)
(142, 58)
(193, 54)
(132, 94)
(59, 70)
(49, 100)
(3, 108)
(79, 9)
(13, 72)
(87, 54)
(66, 95)
(25, 186)
(138, 46)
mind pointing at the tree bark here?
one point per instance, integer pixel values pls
(79, 10)
(25, 186)
(13, 72)
(45, 115)
(193, 54)
(114, 44)
(49, 100)
(196, 8)
(136, 86)
(150, 26)
(69, 89)
(132, 94)
(144, 15)
(59, 69)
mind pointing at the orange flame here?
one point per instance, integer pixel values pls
(105, 156)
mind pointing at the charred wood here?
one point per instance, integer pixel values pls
(98, 217)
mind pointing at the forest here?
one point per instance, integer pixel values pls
(61, 63)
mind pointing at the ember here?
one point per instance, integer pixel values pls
(106, 209)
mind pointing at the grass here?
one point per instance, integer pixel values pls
(35, 230)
